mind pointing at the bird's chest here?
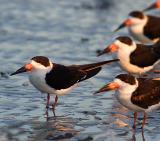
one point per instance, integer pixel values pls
(138, 33)
(38, 80)
(125, 99)
(124, 57)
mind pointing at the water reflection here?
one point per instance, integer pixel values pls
(57, 29)
(134, 136)
(55, 128)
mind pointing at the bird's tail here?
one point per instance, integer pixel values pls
(92, 66)
(93, 69)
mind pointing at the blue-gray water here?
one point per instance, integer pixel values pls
(68, 32)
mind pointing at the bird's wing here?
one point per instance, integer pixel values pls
(147, 94)
(152, 28)
(144, 56)
(62, 77)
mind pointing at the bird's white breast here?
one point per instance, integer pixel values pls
(124, 97)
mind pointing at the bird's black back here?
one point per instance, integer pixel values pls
(145, 56)
(147, 93)
(152, 28)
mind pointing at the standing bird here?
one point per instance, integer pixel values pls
(155, 5)
(52, 78)
(144, 28)
(134, 58)
(136, 94)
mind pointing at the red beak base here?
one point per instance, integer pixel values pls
(108, 87)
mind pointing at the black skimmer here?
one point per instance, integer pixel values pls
(144, 28)
(134, 58)
(155, 5)
(136, 94)
(52, 78)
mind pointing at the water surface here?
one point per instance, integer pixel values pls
(68, 32)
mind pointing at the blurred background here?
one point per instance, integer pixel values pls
(68, 32)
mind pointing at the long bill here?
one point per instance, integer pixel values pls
(127, 22)
(108, 87)
(25, 68)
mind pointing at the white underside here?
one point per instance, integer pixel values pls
(38, 81)
(154, 107)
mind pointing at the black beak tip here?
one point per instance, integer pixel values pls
(21, 70)
(120, 27)
(116, 30)
(153, 6)
(100, 53)
(13, 73)
(96, 92)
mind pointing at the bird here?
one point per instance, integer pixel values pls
(136, 94)
(143, 28)
(155, 5)
(57, 79)
(134, 58)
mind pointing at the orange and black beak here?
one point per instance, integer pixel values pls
(108, 87)
(152, 6)
(102, 52)
(127, 22)
(111, 48)
(25, 68)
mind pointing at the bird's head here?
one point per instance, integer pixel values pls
(121, 42)
(155, 5)
(121, 82)
(36, 63)
(134, 18)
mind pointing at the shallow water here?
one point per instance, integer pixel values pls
(68, 32)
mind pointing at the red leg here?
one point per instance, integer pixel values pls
(143, 138)
(48, 99)
(135, 118)
(47, 104)
(144, 120)
(55, 103)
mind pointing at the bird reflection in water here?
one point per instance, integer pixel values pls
(134, 136)
(57, 128)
